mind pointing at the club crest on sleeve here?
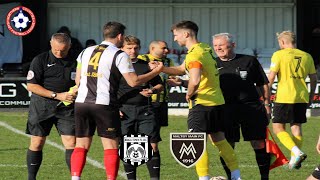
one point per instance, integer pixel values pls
(30, 75)
(73, 76)
(135, 149)
(187, 148)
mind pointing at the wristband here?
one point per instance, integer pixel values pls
(269, 105)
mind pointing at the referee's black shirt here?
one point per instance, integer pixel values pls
(239, 78)
(55, 74)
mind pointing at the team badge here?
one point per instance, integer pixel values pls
(20, 21)
(73, 75)
(243, 74)
(30, 75)
(187, 148)
(135, 149)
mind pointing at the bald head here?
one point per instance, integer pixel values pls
(158, 49)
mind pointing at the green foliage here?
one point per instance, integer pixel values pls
(13, 149)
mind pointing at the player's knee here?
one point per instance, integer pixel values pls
(37, 143)
(155, 147)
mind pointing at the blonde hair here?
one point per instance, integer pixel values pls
(289, 36)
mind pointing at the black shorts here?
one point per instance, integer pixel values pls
(91, 116)
(44, 113)
(161, 111)
(208, 119)
(316, 172)
(139, 119)
(289, 113)
(250, 117)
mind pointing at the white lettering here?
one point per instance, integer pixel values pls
(13, 92)
(25, 86)
(178, 89)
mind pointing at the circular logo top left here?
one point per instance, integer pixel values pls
(20, 21)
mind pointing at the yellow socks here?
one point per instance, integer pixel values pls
(202, 166)
(286, 140)
(228, 155)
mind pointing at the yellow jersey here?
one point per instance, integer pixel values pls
(163, 95)
(209, 92)
(292, 67)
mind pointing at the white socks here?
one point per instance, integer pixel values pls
(75, 178)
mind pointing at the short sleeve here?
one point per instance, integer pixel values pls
(35, 73)
(124, 63)
(275, 62)
(312, 69)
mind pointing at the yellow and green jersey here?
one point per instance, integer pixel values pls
(292, 67)
(209, 92)
(163, 95)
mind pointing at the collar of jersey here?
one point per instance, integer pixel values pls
(152, 58)
(193, 46)
(108, 43)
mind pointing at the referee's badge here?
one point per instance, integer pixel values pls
(30, 75)
(135, 149)
(73, 76)
(187, 148)
(243, 74)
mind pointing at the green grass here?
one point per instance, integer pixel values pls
(13, 149)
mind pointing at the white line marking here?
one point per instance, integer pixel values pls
(89, 160)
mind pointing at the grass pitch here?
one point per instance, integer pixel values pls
(14, 144)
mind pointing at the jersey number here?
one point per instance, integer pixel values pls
(298, 58)
(94, 61)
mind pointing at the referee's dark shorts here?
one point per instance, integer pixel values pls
(250, 117)
(45, 112)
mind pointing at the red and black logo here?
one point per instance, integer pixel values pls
(20, 21)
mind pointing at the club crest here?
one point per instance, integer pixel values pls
(135, 149)
(187, 148)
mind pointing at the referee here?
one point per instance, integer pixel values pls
(240, 77)
(50, 77)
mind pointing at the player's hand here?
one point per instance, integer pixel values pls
(159, 66)
(268, 112)
(174, 81)
(146, 92)
(153, 64)
(65, 96)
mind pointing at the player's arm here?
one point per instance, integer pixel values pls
(78, 74)
(313, 84)
(318, 145)
(134, 80)
(35, 75)
(41, 91)
(175, 70)
(271, 77)
(194, 81)
(264, 89)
